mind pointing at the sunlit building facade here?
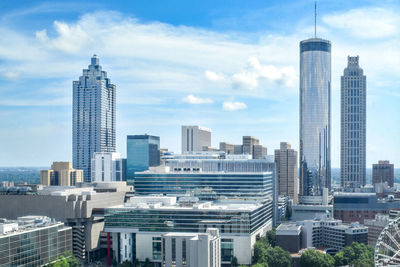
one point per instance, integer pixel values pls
(315, 116)
(93, 123)
(353, 125)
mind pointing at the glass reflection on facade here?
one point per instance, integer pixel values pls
(142, 152)
(315, 116)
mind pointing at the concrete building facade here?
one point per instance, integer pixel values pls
(191, 249)
(62, 174)
(195, 138)
(108, 167)
(287, 169)
(353, 125)
(383, 172)
(78, 207)
(93, 119)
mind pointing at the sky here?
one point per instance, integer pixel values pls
(232, 66)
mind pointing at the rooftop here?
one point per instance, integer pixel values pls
(25, 223)
(175, 203)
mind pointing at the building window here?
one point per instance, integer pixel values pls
(183, 251)
(173, 245)
(156, 248)
(226, 249)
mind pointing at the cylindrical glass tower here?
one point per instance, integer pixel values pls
(315, 116)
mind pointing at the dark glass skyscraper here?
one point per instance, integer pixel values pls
(353, 125)
(93, 123)
(315, 116)
(142, 152)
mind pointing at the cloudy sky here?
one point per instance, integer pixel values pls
(232, 66)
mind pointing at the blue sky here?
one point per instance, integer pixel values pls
(229, 65)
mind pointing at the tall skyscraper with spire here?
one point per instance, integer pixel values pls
(315, 116)
(353, 125)
(93, 122)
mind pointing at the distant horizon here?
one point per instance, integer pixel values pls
(230, 66)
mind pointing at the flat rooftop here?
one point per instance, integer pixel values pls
(170, 203)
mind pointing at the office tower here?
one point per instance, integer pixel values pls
(286, 166)
(259, 152)
(248, 143)
(237, 149)
(195, 138)
(315, 116)
(383, 172)
(33, 241)
(353, 125)
(142, 152)
(228, 148)
(107, 167)
(93, 125)
(61, 173)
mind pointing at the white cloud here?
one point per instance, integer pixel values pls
(232, 106)
(213, 76)
(366, 22)
(256, 74)
(191, 99)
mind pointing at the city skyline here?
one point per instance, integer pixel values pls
(222, 77)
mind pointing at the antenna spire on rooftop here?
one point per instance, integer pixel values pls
(315, 19)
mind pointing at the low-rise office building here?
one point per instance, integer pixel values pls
(356, 207)
(375, 227)
(33, 241)
(322, 232)
(82, 208)
(190, 249)
(288, 237)
(62, 174)
(135, 226)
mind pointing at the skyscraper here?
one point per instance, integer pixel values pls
(142, 152)
(286, 166)
(353, 125)
(195, 138)
(93, 122)
(315, 116)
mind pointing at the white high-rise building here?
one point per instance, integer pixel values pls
(93, 125)
(195, 138)
(107, 167)
(192, 249)
(353, 125)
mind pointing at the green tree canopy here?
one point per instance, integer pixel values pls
(271, 237)
(356, 253)
(277, 257)
(313, 258)
(260, 248)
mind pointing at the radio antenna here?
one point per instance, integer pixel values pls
(315, 19)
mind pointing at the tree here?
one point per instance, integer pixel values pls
(312, 258)
(260, 265)
(260, 248)
(271, 237)
(234, 262)
(356, 253)
(147, 263)
(136, 263)
(65, 260)
(277, 257)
